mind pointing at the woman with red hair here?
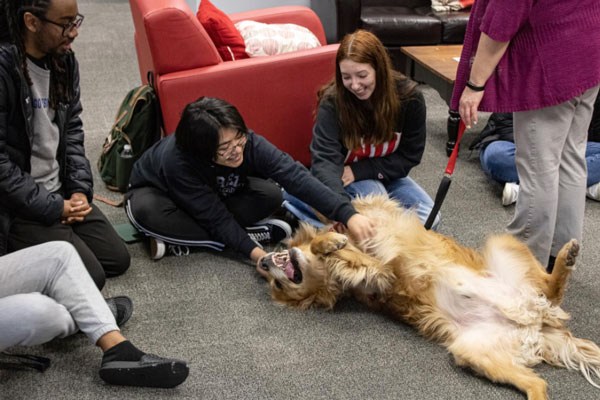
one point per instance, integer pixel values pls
(370, 128)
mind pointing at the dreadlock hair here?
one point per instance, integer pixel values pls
(12, 16)
(375, 124)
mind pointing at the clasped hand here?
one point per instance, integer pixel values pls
(75, 209)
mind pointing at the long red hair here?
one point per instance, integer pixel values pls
(357, 121)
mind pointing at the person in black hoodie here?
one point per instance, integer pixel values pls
(46, 190)
(212, 184)
(46, 184)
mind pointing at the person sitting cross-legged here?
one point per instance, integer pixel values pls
(46, 184)
(46, 293)
(214, 183)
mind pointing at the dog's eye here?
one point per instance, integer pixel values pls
(278, 284)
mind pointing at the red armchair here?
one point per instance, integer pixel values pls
(276, 95)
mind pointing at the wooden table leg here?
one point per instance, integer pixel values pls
(453, 120)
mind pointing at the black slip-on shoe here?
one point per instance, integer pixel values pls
(149, 371)
(121, 308)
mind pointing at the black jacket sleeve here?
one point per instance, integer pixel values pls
(327, 149)
(78, 172)
(409, 152)
(269, 162)
(19, 193)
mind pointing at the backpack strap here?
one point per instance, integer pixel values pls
(108, 201)
(158, 110)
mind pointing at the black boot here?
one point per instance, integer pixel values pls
(551, 262)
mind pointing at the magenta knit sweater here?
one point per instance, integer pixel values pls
(553, 55)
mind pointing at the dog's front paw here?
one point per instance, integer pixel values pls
(328, 243)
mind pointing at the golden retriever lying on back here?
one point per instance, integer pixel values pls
(497, 311)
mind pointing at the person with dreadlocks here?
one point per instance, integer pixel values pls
(45, 195)
(46, 184)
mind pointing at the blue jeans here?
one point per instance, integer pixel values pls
(498, 162)
(405, 190)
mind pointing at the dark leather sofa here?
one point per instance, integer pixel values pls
(401, 23)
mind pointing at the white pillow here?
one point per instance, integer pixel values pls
(270, 39)
(450, 5)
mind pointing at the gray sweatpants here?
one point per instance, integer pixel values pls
(550, 156)
(46, 292)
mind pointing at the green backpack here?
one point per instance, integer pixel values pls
(138, 123)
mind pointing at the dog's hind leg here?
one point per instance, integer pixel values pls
(560, 348)
(556, 282)
(500, 367)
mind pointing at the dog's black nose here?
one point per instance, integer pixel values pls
(264, 263)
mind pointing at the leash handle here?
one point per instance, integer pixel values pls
(454, 155)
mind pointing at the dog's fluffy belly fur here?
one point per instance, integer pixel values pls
(497, 311)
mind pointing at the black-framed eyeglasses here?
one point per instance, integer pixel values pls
(226, 148)
(69, 26)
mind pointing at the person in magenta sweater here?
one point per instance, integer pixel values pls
(540, 60)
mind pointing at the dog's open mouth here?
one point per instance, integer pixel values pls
(286, 262)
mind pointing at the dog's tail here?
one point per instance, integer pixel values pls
(562, 349)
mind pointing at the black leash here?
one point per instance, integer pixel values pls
(446, 180)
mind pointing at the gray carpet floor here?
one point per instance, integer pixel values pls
(214, 310)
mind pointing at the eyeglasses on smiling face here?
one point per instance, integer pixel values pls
(68, 27)
(226, 148)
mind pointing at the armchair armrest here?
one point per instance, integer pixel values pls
(275, 95)
(348, 16)
(298, 15)
(169, 37)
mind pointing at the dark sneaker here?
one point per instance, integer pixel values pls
(149, 371)
(159, 249)
(270, 231)
(121, 308)
(551, 262)
(287, 216)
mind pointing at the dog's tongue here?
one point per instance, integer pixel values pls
(289, 270)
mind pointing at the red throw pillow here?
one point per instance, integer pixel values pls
(227, 39)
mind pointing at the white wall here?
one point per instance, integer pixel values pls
(233, 6)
